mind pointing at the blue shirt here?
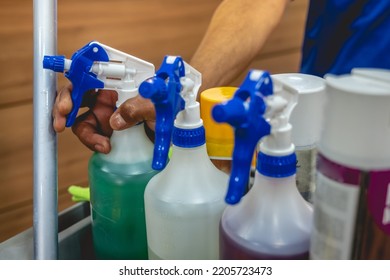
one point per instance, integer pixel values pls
(344, 34)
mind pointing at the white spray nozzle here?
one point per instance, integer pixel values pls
(279, 108)
(190, 117)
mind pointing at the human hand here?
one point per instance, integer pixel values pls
(95, 126)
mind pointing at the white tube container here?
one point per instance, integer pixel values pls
(352, 200)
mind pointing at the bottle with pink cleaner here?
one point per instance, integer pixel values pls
(272, 220)
(352, 197)
(185, 201)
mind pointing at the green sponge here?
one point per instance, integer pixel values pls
(79, 193)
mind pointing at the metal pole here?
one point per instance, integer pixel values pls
(45, 140)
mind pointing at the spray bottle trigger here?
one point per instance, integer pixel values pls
(164, 91)
(245, 112)
(79, 73)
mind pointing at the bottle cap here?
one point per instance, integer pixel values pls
(306, 117)
(219, 136)
(356, 129)
(277, 167)
(188, 138)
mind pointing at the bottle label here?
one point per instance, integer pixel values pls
(378, 196)
(344, 201)
(335, 206)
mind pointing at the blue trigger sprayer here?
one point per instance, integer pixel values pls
(117, 179)
(259, 113)
(164, 90)
(97, 66)
(184, 202)
(249, 124)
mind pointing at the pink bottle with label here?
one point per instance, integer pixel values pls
(352, 197)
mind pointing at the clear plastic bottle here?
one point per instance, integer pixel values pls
(249, 230)
(118, 179)
(184, 202)
(272, 221)
(183, 205)
(117, 184)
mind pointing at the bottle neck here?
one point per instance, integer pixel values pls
(277, 189)
(263, 180)
(193, 161)
(191, 156)
(130, 146)
(198, 153)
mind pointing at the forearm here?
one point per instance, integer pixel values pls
(236, 34)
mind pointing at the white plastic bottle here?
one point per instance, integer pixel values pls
(306, 119)
(272, 221)
(184, 203)
(352, 199)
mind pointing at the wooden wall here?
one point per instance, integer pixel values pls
(146, 29)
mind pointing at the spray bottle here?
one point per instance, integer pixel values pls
(272, 221)
(352, 197)
(118, 179)
(184, 202)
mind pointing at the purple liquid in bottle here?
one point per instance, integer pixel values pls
(231, 250)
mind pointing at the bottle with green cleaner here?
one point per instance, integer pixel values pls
(185, 201)
(118, 179)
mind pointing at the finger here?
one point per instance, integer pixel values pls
(85, 128)
(62, 107)
(131, 112)
(150, 129)
(103, 109)
(64, 104)
(151, 124)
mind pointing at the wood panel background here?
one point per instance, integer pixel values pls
(146, 29)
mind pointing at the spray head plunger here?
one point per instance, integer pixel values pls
(97, 66)
(245, 112)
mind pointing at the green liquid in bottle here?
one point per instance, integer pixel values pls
(117, 204)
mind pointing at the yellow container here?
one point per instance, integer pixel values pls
(219, 136)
